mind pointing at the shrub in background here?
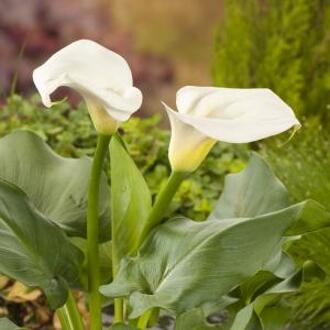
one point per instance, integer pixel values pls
(283, 45)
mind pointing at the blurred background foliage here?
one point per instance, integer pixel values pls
(283, 45)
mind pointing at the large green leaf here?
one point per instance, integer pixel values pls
(6, 324)
(256, 190)
(57, 186)
(184, 264)
(130, 200)
(33, 249)
(251, 192)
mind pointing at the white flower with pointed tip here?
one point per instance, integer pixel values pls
(209, 114)
(102, 77)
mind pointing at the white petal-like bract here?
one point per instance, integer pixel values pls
(230, 115)
(101, 76)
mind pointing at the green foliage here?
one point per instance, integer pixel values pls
(57, 186)
(70, 133)
(303, 165)
(37, 251)
(251, 192)
(282, 45)
(130, 202)
(311, 306)
(252, 237)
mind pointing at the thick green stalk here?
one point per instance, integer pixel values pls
(93, 233)
(119, 310)
(73, 312)
(64, 319)
(162, 202)
(118, 302)
(69, 316)
(143, 320)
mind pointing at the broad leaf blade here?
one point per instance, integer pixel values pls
(252, 192)
(34, 250)
(130, 199)
(57, 186)
(211, 257)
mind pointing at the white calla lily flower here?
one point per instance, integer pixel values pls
(209, 114)
(102, 77)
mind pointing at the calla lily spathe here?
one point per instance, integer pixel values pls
(209, 114)
(102, 77)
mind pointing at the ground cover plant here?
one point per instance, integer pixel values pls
(114, 239)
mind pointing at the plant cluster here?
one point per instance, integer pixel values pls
(66, 225)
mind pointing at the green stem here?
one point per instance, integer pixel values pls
(69, 316)
(119, 310)
(162, 202)
(74, 313)
(63, 318)
(154, 315)
(118, 302)
(93, 233)
(143, 320)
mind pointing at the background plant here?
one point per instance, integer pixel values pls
(283, 45)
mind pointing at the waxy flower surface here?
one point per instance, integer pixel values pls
(209, 114)
(101, 76)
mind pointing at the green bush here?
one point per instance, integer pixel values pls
(283, 45)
